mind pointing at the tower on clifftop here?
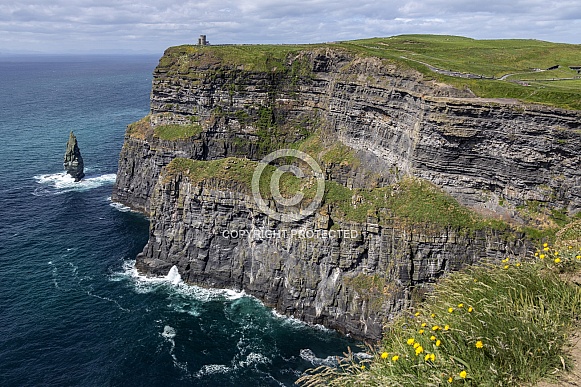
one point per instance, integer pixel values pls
(202, 41)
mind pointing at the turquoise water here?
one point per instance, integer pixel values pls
(73, 311)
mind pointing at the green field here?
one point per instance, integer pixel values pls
(514, 68)
(492, 59)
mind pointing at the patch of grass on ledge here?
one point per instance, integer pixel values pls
(140, 129)
(503, 324)
(177, 132)
(412, 200)
(229, 169)
(252, 57)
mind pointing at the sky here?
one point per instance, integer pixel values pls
(150, 26)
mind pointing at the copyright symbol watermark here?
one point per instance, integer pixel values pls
(284, 206)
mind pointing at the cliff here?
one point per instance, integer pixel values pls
(399, 152)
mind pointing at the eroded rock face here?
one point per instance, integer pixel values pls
(73, 162)
(352, 281)
(483, 152)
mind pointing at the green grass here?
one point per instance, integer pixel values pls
(489, 58)
(259, 58)
(237, 173)
(412, 201)
(177, 132)
(492, 58)
(140, 129)
(488, 325)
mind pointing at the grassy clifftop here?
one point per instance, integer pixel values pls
(503, 324)
(529, 70)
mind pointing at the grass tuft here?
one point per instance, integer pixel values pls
(493, 324)
(177, 132)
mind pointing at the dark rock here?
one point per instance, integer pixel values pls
(73, 162)
(398, 124)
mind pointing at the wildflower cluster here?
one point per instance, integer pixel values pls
(564, 259)
(486, 325)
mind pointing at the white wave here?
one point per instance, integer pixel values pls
(210, 369)
(146, 284)
(119, 207)
(295, 322)
(168, 332)
(309, 355)
(254, 358)
(61, 182)
(174, 276)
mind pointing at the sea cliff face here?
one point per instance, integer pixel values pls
(371, 124)
(352, 277)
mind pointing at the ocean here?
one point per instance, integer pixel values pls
(73, 310)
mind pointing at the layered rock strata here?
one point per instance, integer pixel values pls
(376, 123)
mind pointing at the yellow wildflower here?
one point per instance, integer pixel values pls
(545, 245)
(432, 338)
(433, 315)
(446, 327)
(424, 324)
(416, 344)
(417, 314)
(450, 310)
(506, 267)
(384, 355)
(450, 379)
(479, 344)
(435, 327)
(410, 341)
(460, 305)
(542, 256)
(517, 264)
(557, 260)
(395, 358)
(546, 249)
(470, 310)
(578, 257)
(430, 356)
(363, 367)
(421, 331)
(419, 350)
(438, 342)
(463, 374)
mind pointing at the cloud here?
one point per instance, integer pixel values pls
(152, 25)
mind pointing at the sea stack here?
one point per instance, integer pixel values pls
(73, 160)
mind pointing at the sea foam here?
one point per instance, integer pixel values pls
(58, 183)
(146, 284)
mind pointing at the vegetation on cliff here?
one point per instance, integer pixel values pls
(412, 201)
(494, 324)
(529, 70)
